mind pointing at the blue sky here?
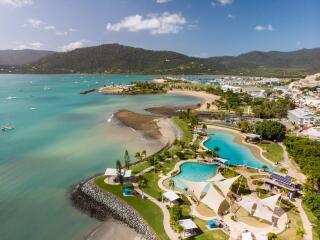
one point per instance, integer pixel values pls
(194, 27)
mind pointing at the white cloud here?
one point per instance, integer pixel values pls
(16, 3)
(225, 2)
(49, 27)
(72, 30)
(231, 16)
(62, 33)
(259, 28)
(163, 1)
(73, 45)
(36, 45)
(155, 24)
(35, 23)
(270, 27)
(213, 4)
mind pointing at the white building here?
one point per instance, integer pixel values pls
(302, 116)
(231, 88)
(312, 132)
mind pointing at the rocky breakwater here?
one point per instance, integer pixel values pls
(100, 204)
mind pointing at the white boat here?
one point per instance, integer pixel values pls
(33, 108)
(11, 98)
(46, 88)
(7, 127)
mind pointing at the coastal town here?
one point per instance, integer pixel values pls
(239, 166)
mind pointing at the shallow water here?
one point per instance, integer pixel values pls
(194, 172)
(67, 138)
(235, 153)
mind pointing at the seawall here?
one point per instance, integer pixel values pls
(100, 204)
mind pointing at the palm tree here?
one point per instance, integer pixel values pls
(144, 153)
(265, 168)
(138, 156)
(127, 159)
(120, 172)
(300, 232)
(284, 170)
(171, 184)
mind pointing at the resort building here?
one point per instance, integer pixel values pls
(231, 88)
(302, 117)
(311, 132)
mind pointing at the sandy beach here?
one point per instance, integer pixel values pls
(205, 98)
(113, 230)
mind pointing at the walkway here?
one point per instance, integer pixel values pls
(293, 171)
(166, 215)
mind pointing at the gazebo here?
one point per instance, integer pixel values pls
(189, 227)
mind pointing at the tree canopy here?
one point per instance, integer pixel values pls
(271, 130)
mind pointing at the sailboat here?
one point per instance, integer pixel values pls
(46, 88)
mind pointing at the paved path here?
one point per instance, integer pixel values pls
(293, 171)
(305, 221)
(166, 215)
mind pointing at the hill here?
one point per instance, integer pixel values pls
(115, 58)
(20, 57)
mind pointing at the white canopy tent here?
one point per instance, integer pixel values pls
(247, 204)
(246, 236)
(216, 178)
(171, 196)
(263, 212)
(213, 199)
(196, 187)
(225, 185)
(188, 224)
(271, 202)
(114, 172)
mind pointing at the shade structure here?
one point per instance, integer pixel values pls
(225, 185)
(263, 212)
(114, 172)
(213, 199)
(246, 236)
(171, 196)
(271, 202)
(196, 187)
(187, 224)
(247, 204)
(216, 178)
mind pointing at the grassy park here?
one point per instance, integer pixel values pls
(272, 151)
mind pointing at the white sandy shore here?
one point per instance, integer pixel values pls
(113, 230)
(205, 98)
(169, 130)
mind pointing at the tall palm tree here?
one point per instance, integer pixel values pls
(138, 156)
(144, 153)
(120, 172)
(127, 159)
(171, 184)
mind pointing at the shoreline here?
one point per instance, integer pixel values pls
(240, 139)
(203, 96)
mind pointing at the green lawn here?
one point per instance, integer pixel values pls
(273, 151)
(152, 187)
(313, 221)
(208, 234)
(150, 212)
(139, 167)
(187, 134)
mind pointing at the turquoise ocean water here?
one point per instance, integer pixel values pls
(64, 139)
(236, 154)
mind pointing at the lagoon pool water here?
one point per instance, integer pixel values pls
(235, 153)
(195, 172)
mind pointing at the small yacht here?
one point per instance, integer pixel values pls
(33, 108)
(7, 127)
(11, 98)
(46, 88)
